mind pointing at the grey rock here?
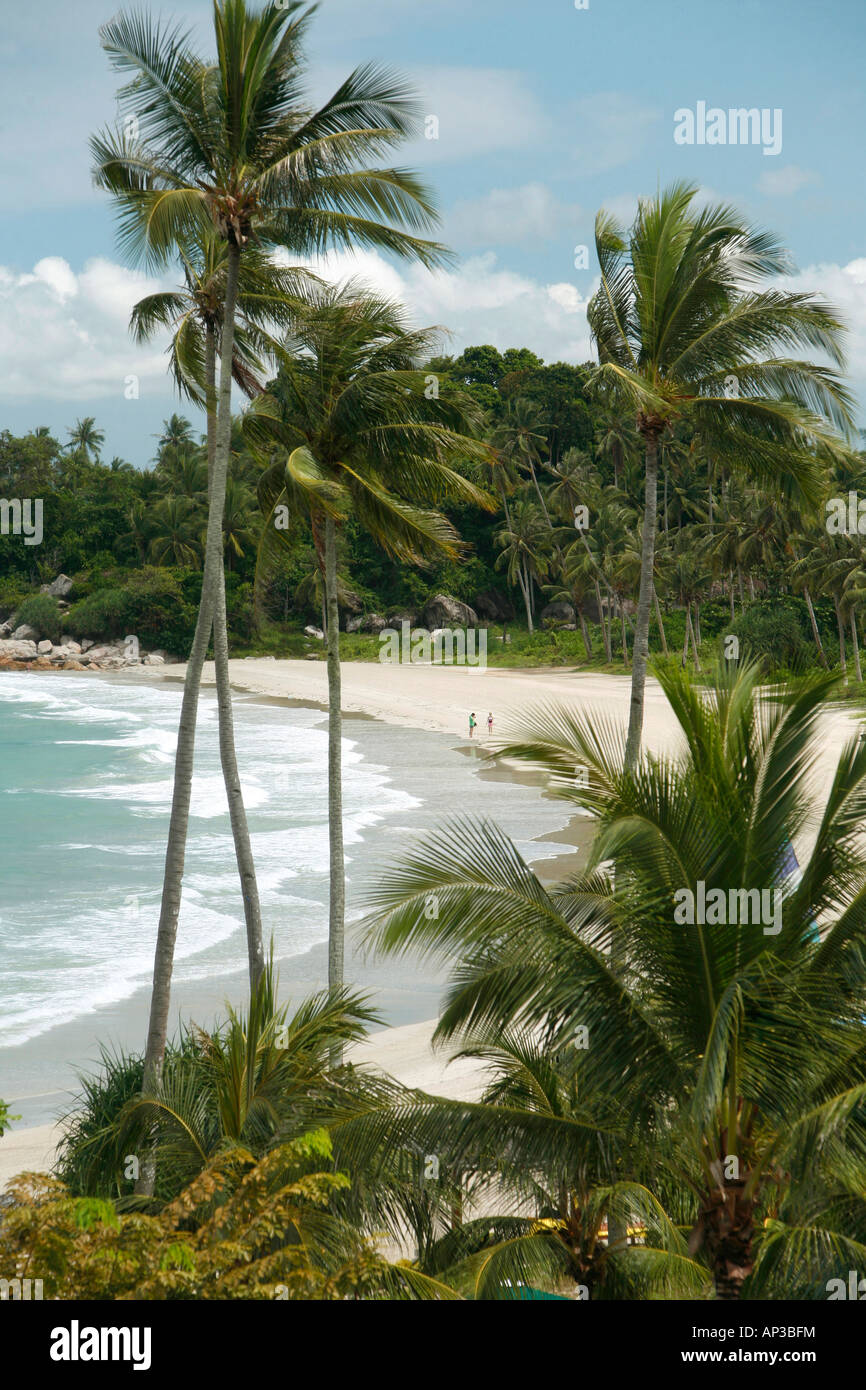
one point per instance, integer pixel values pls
(25, 633)
(444, 611)
(493, 607)
(18, 649)
(403, 615)
(557, 613)
(154, 659)
(87, 643)
(5, 630)
(353, 624)
(314, 632)
(60, 587)
(44, 647)
(373, 622)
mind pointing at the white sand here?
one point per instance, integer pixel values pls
(439, 698)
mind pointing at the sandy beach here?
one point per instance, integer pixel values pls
(435, 699)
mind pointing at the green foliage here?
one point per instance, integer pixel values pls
(41, 612)
(773, 630)
(5, 1118)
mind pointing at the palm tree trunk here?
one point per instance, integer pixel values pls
(731, 588)
(605, 635)
(841, 627)
(540, 493)
(641, 637)
(337, 913)
(586, 642)
(183, 768)
(666, 501)
(740, 583)
(855, 645)
(624, 635)
(815, 633)
(697, 624)
(694, 639)
(685, 656)
(228, 755)
(751, 586)
(661, 626)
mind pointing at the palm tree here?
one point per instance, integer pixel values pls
(519, 438)
(231, 145)
(174, 531)
(357, 435)
(683, 333)
(524, 545)
(731, 1038)
(85, 440)
(193, 315)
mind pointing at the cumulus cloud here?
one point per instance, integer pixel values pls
(844, 286)
(607, 129)
(63, 335)
(782, 183)
(479, 302)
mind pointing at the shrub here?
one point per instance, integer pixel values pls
(41, 612)
(101, 614)
(771, 628)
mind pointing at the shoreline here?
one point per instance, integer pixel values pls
(434, 700)
(403, 1048)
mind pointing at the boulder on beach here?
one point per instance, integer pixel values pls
(44, 647)
(314, 632)
(444, 611)
(25, 633)
(18, 649)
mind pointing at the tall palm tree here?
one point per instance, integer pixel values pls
(684, 333)
(733, 1046)
(193, 316)
(231, 145)
(174, 532)
(525, 545)
(357, 434)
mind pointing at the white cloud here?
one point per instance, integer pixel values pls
(512, 216)
(782, 183)
(845, 288)
(479, 110)
(63, 336)
(479, 302)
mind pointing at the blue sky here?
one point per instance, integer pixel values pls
(545, 113)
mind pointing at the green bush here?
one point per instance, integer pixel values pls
(41, 612)
(101, 614)
(771, 628)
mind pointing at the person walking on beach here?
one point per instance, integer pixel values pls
(489, 724)
(472, 722)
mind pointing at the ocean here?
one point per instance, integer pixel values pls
(85, 790)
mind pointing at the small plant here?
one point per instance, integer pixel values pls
(5, 1118)
(41, 612)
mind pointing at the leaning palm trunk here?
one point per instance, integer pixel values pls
(640, 649)
(336, 922)
(814, 624)
(855, 647)
(179, 821)
(685, 655)
(584, 633)
(605, 634)
(228, 756)
(693, 637)
(841, 628)
(661, 626)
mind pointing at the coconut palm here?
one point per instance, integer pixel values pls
(85, 440)
(231, 145)
(175, 532)
(357, 434)
(524, 547)
(684, 333)
(520, 438)
(736, 1049)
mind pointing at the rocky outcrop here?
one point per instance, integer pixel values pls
(558, 614)
(403, 615)
(493, 607)
(18, 649)
(61, 587)
(444, 611)
(373, 622)
(26, 633)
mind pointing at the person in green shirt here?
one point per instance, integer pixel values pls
(472, 722)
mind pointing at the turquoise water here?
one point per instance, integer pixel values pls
(85, 789)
